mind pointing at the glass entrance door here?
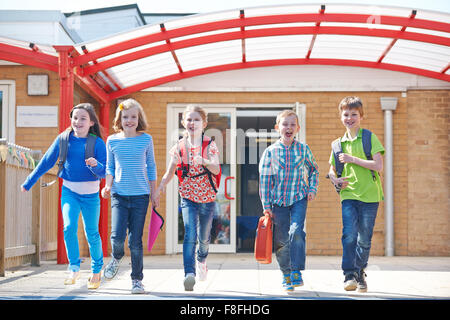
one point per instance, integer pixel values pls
(221, 124)
(241, 132)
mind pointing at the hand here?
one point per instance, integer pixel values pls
(269, 212)
(342, 182)
(155, 200)
(106, 192)
(92, 162)
(198, 160)
(346, 158)
(23, 189)
(311, 196)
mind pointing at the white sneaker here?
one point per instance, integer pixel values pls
(189, 282)
(202, 270)
(137, 287)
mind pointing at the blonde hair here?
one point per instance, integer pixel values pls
(285, 114)
(127, 105)
(351, 102)
(195, 108)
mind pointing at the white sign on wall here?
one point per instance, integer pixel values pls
(37, 116)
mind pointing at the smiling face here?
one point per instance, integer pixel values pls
(81, 122)
(351, 118)
(130, 120)
(288, 127)
(193, 123)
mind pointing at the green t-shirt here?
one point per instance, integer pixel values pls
(361, 185)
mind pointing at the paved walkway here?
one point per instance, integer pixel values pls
(237, 276)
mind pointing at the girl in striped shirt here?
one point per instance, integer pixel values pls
(130, 179)
(288, 176)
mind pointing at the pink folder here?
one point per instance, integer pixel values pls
(155, 226)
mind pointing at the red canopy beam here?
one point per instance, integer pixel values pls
(28, 57)
(242, 16)
(255, 21)
(107, 75)
(66, 85)
(412, 16)
(104, 205)
(174, 55)
(313, 40)
(446, 68)
(281, 62)
(265, 33)
(88, 84)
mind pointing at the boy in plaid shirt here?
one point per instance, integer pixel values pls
(288, 176)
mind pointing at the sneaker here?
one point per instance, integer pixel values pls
(73, 277)
(350, 282)
(296, 279)
(362, 284)
(112, 268)
(137, 287)
(287, 285)
(189, 281)
(202, 270)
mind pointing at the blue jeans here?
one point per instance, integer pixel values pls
(289, 236)
(196, 216)
(358, 220)
(89, 205)
(128, 212)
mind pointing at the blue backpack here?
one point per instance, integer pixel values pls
(337, 150)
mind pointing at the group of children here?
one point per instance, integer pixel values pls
(288, 180)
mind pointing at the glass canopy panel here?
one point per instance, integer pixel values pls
(430, 32)
(419, 55)
(202, 34)
(286, 9)
(119, 37)
(124, 52)
(201, 18)
(349, 47)
(280, 47)
(368, 9)
(26, 45)
(432, 15)
(208, 55)
(144, 69)
(360, 25)
(281, 25)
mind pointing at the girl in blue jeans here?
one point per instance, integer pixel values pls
(196, 190)
(81, 184)
(130, 179)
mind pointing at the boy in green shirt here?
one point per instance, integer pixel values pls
(360, 194)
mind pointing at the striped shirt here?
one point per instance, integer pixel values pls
(131, 162)
(287, 174)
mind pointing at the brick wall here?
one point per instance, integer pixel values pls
(428, 173)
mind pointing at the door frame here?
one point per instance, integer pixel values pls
(172, 246)
(8, 111)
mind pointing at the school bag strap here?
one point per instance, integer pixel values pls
(367, 146)
(183, 168)
(63, 147)
(336, 147)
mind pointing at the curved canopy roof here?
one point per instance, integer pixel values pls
(389, 38)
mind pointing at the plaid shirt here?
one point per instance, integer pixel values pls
(287, 174)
